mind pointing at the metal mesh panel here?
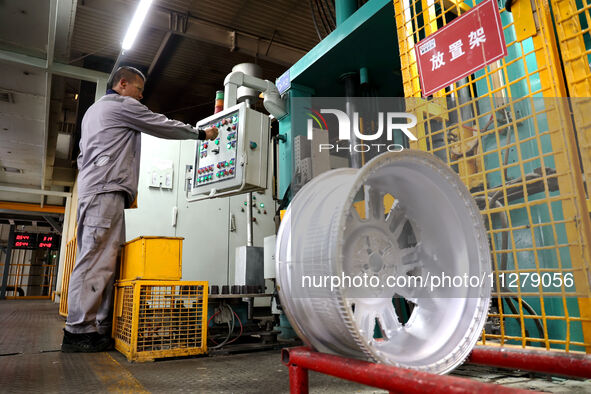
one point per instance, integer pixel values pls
(123, 323)
(513, 144)
(157, 319)
(573, 29)
(69, 262)
(170, 317)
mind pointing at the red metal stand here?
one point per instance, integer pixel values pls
(298, 379)
(396, 380)
(548, 362)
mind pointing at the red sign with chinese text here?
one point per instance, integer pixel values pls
(465, 45)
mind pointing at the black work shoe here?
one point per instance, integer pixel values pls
(85, 343)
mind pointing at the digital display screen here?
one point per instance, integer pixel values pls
(25, 241)
(36, 241)
(47, 241)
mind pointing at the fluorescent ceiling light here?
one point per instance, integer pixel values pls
(136, 23)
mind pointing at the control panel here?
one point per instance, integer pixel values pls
(217, 159)
(236, 161)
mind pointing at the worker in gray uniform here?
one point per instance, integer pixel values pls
(109, 166)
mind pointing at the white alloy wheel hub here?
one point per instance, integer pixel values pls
(418, 222)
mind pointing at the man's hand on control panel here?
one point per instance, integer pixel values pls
(211, 133)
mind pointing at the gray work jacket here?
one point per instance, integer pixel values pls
(110, 144)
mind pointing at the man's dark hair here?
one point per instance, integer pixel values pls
(129, 73)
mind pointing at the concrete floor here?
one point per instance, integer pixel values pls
(30, 361)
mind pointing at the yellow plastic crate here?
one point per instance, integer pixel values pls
(152, 258)
(159, 319)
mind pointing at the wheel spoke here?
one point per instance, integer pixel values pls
(388, 319)
(365, 320)
(374, 203)
(396, 219)
(411, 258)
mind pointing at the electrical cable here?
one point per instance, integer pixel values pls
(231, 327)
(324, 16)
(208, 320)
(314, 20)
(241, 327)
(212, 316)
(230, 330)
(507, 142)
(331, 17)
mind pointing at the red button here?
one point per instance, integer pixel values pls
(231, 170)
(218, 165)
(234, 127)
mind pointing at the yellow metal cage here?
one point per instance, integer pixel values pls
(521, 149)
(158, 319)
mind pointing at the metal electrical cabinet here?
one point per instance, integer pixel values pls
(154, 215)
(236, 161)
(205, 226)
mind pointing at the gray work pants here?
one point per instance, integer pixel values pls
(101, 231)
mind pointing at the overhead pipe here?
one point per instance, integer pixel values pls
(272, 101)
(52, 27)
(351, 80)
(344, 9)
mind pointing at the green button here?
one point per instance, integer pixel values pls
(229, 146)
(262, 205)
(245, 203)
(217, 142)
